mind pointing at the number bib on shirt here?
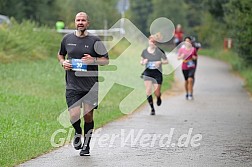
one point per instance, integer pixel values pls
(151, 65)
(190, 64)
(78, 65)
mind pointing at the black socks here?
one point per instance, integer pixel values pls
(159, 101)
(77, 127)
(150, 100)
(88, 130)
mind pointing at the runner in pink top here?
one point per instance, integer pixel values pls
(189, 56)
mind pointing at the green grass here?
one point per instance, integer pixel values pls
(31, 99)
(32, 96)
(25, 42)
(238, 65)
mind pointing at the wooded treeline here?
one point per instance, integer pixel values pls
(209, 20)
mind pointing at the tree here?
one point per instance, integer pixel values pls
(140, 12)
(173, 10)
(213, 27)
(238, 17)
(194, 12)
(36, 10)
(98, 12)
(215, 8)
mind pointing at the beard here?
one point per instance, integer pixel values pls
(81, 30)
(81, 27)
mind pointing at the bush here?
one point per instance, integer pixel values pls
(25, 41)
(238, 16)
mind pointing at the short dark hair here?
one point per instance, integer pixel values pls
(188, 38)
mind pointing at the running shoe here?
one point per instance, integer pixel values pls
(190, 97)
(85, 151)
(159, 101)
(77, 141)
(152, 112)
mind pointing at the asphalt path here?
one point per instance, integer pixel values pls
(215, 129)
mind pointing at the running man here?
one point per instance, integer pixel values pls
(82, 90)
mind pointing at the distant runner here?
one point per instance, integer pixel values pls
(153, 58)
(189, 56)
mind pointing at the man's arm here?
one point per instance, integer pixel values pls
(65, 63)
(88, 59)
(61, 59)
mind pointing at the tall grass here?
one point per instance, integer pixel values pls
(32, 92)
(25, 41)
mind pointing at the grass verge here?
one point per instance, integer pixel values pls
(31, 99)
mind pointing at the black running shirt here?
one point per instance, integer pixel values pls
(75, 48)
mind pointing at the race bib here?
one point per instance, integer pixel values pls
(176, 40)
(151, 65)
(190, 64)
(78, 65)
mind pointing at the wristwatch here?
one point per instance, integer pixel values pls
(95, 60)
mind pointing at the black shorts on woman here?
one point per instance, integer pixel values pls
(189, 73)
(153, 75)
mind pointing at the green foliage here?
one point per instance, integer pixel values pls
(248, 78)
(139, 9)
(211, 33)
(36, 10)
(25, 41)
(175, 11)
(232, 18)
(194, 11)
(216, 8)
(97, 10)
(238, 16)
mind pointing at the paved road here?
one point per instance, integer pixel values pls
(213, 130)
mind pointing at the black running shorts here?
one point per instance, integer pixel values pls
(76, 98)
(189, 73)
(153, 75)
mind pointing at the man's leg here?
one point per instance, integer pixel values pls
(75, 121)
(73, 103)
(88, 129)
